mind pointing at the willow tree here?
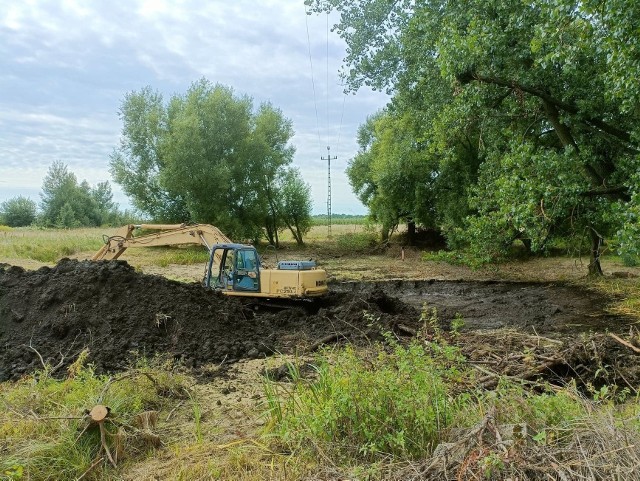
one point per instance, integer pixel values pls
(205, 156)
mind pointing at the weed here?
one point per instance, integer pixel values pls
(197, 417)
(457, 323)
(356, 241)
(42, 419)
(396, 403)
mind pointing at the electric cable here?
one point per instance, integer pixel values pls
(313, 83)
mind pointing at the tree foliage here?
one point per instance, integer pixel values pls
(526, 110)
(67, 203)
(206, 156)
(18, 212)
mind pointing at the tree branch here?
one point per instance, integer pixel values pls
(467, 77)
(620, 191)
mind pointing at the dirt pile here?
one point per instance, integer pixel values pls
(118, 313)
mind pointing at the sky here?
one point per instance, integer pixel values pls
(66, 65)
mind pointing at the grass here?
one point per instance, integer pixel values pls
(396, 404)
(383, 412)
(625, 294)
(44, 428)
(47, 245)
(187, 255)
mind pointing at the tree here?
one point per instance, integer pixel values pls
(391, 174)
(530, 96)
(209, 154)
(67, 203)
(295, 208)
(138, 161)
(18, 212)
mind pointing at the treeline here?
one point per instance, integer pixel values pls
(209, 156)
(65, 203)
(343, 219)
(508, 120)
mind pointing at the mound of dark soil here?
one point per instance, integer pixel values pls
(118, 313)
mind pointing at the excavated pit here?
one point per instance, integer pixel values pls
(120, 314)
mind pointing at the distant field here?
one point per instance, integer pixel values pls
(320, 232)
(47, 245)
(339, 219)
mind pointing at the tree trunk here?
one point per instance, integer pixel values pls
(298, 235)
(385, 233)
(566, 139)
(270, 237)
(411, 233)
(595, 269)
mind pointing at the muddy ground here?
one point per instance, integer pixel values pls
(543, 308)
(51, 314)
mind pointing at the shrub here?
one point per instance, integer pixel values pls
(396, 403)
(18, 212)
(356, 240)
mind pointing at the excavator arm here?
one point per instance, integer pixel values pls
(167, 235)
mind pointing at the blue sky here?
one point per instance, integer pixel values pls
(65, 67)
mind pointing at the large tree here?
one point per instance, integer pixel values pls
(544, 92)
(136, 164)
(205, 156)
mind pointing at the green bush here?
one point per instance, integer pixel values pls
(18, 212)
(396, 402)
(357, 240)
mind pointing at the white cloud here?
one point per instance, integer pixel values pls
(65, 67)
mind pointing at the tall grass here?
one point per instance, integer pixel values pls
(43, 426)
(400, 404)
(395, 403)
(48, 245)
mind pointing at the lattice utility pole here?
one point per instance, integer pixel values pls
(328, 158)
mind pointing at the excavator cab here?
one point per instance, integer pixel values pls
(233, 267)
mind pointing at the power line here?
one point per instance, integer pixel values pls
(344, 101)
(328, 145)
(327, 78)
(313, 83)
(329, 157)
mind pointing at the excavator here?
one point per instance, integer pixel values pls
(233, 269)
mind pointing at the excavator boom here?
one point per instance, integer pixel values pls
(168, 235)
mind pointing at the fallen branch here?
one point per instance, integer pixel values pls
(324, 340)
(406, 330)
(98, 461)
(625, 343)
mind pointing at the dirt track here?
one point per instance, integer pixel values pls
(118, 313)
